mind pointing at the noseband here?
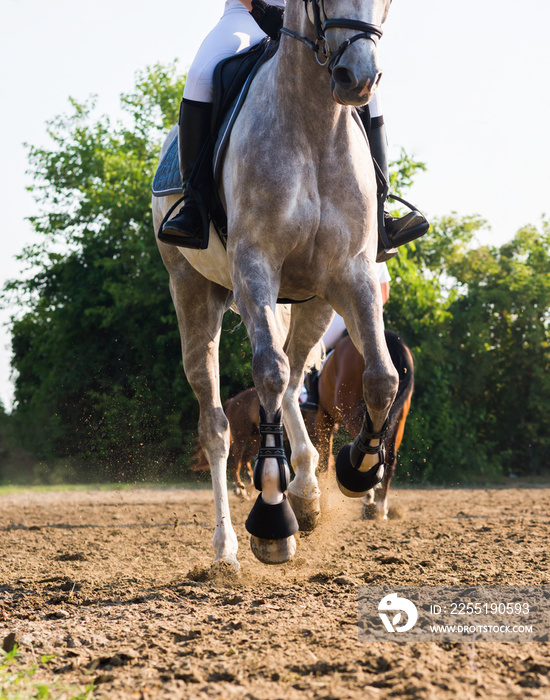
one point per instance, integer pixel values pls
(373, 32)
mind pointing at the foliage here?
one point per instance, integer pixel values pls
(96, 346)
(19, 681)
(476, 319)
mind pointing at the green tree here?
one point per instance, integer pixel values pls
(476, 319)
(97, 350)
(501, 330)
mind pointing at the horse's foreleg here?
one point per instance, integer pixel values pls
(381, 497)
(271, 521)
(200, 306)
(360, 465)
(309, 322)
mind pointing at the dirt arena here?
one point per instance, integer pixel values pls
(114, 585)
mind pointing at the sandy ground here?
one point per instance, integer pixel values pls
(112, 583)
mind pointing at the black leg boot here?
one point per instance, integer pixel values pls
(186, 228)
(393, 231)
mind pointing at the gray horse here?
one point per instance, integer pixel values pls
(300, 190)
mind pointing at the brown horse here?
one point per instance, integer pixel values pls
(341, 402)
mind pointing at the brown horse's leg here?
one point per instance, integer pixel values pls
(382, 500)
(249, 456)
(200, 306)
(323, 430)
(234, 463)
(237, 443)
(242, 412)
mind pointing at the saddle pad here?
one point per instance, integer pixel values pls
(167, 179)
(232, 79)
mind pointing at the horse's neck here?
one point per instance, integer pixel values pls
(301, 83)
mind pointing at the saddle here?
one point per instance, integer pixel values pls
(232, 79)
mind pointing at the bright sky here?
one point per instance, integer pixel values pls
(464, 89)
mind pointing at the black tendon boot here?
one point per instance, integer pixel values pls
(393, 231)
(186, 228)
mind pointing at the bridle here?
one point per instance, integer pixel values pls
(372, 32)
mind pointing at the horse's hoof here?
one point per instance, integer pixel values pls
(273, 551)
(369, 511)
(352, 482)
(225, 568)
(347, 492)
(306, 510)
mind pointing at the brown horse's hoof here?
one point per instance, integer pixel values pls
(306, 510)
(241, 492)
(273, 551)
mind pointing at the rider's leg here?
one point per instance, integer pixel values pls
(185, 229)
(311, 380)
(311, 383)
(399, 230)
(235, 32)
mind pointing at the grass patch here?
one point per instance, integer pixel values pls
(19, 681)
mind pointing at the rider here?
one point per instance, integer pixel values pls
(243, 24)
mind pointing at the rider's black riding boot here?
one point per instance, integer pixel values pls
(311, 382)
(186, 228)
(398, 230)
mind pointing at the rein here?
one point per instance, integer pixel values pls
(372, 32)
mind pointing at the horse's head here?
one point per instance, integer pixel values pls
(347, 33)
